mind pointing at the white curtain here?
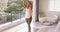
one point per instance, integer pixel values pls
(54, 5)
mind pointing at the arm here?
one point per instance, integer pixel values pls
(24, 4)
(29, 4)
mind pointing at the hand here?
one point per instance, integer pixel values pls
(24, 3)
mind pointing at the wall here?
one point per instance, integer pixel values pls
(43, 5)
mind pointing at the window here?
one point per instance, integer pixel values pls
(54, 5)
(11, 10)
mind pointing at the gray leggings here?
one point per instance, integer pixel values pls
(28, 20)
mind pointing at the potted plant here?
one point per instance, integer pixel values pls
(0, 19)
(42, 14)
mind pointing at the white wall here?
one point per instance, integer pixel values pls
(43, 5)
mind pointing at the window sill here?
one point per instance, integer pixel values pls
(11, 24)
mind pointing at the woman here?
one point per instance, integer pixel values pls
(28, 6)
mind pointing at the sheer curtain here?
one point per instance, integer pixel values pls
(54, 5)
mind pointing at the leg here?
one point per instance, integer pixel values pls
(28, 23)
(29, 28)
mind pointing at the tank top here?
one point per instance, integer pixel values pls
(28, 13)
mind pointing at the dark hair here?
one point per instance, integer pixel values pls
(29, 2)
